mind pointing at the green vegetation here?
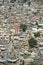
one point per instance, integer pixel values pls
(36, 23)
(32, 42)
(23, 27)
(24, 1)
(38, 11)
(37, 34)
(12, 1)
(34, 13)
(9, 8)
(41, 1)
(22, 62)
(29, 3)
(34, 63)
(39, 26)
(40, 19)
(3, 1)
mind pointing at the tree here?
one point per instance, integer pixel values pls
(32, 42)
(23, 27)
(37, 34)
(10, 8)
(23, 63)
(34, 63)
(36, 23)
(40, 19)
(38, 11)
(12, 1)
(34, 13)
(3, 1)
(24, 0)
(29, 3)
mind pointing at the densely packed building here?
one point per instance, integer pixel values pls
(21, 27)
